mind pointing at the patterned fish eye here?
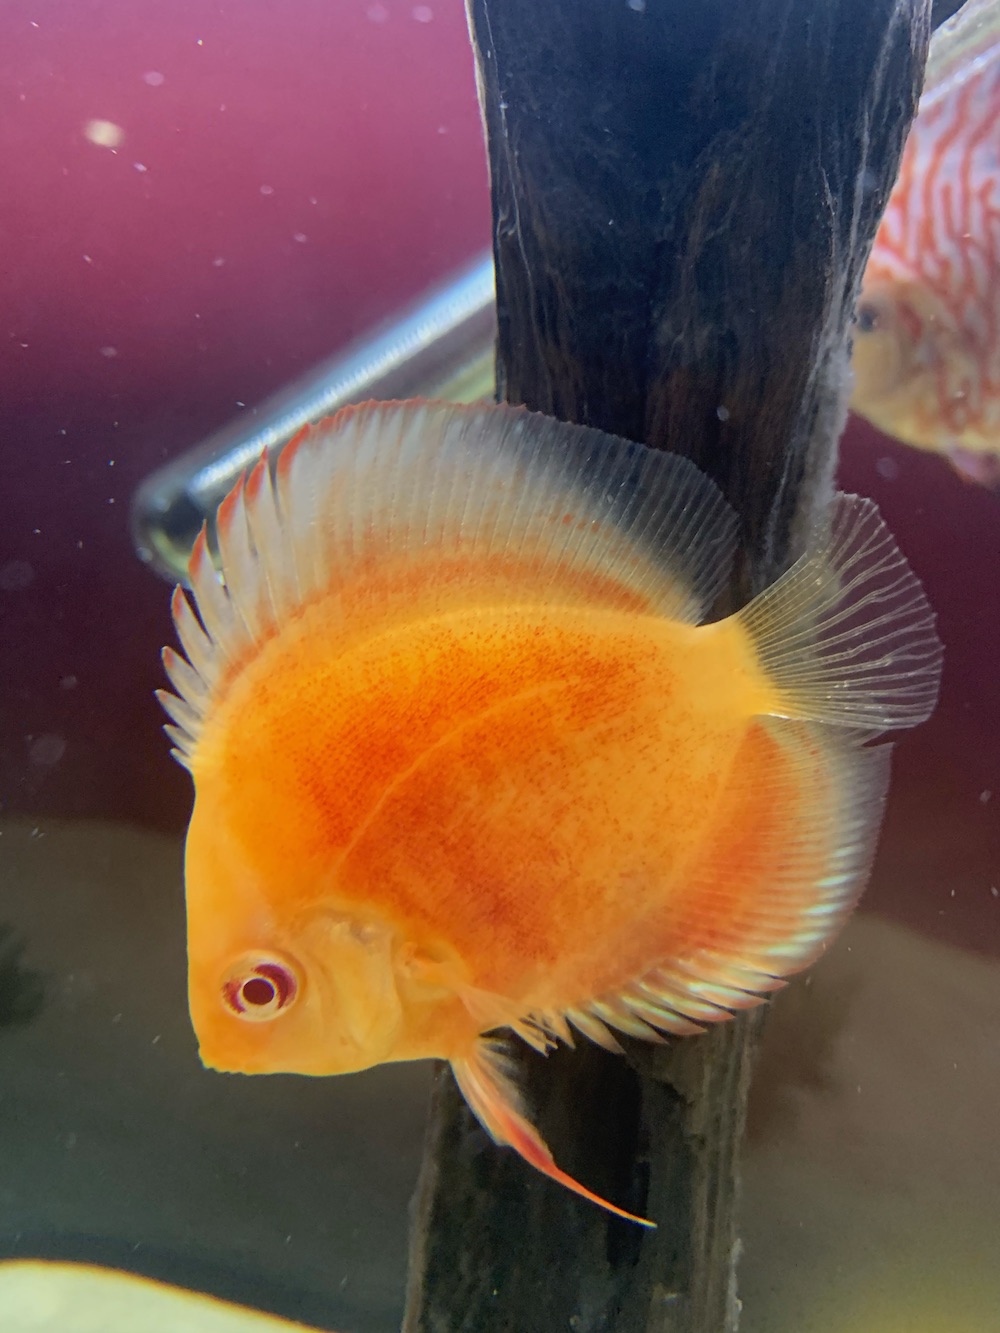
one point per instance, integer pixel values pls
(259, 987)
(867, 317)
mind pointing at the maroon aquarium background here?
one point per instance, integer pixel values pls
(281, 178)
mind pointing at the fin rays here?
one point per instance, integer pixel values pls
(484, 1077)
(414, 486)
(847, 634)
(816, 869)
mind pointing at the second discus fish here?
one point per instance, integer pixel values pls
(466, 757)
(927, 335)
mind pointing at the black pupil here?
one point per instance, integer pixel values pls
(867, 318)
(258, 991)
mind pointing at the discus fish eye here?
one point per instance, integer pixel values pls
(867, 317)
(258, 988)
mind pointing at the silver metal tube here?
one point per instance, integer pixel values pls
(442, 347)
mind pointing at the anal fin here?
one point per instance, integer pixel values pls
(495, 1101)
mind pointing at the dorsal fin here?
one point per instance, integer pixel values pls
(960, 48)
(456, 503)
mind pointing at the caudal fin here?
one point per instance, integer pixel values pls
(495, 1101)
(847, 634)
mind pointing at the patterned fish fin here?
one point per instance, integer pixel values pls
(484, 1078)
(450, 503)
(959, 48)
(785, 894)
(980, 469)
(847, 634)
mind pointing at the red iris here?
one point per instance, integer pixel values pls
(259, 988)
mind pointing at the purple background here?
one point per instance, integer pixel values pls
(289, 175)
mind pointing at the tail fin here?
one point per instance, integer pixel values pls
(493, 1097)
(847, 634)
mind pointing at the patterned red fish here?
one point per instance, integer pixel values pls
(927, 339)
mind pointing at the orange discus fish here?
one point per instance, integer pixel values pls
(467, 758)
(927, 334)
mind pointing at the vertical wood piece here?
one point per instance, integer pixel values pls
(684, 196)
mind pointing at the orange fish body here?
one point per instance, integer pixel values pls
(465, 759)
(927, 340)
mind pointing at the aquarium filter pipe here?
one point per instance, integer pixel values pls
(441, 347)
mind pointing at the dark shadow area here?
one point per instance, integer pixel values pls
(22, 989)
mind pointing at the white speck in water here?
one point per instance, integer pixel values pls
(267, 189)
(300, 236)
(239, 404)
(218, 261)
(87, 259)
(722, 413)
(46, 750)
(154, 78)
(994, 891)
(313, 199)
(104, 133)
(423, 13)
(70, 1140)
(639, 6)
(200, 41)
(442, 129)
(887, 468)
(377, 14)
(984, 796)
(155, 1040)
(140, 167)
(68, 683)
(109, 352)
(16, 575)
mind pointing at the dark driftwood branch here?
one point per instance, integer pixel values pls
(684, 195)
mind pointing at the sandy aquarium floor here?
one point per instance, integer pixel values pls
(872, 1193)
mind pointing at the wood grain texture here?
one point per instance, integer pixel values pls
(684, 199)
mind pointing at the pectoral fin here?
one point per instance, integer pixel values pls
(494, 1099)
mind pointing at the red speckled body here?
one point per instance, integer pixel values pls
(465, 759)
